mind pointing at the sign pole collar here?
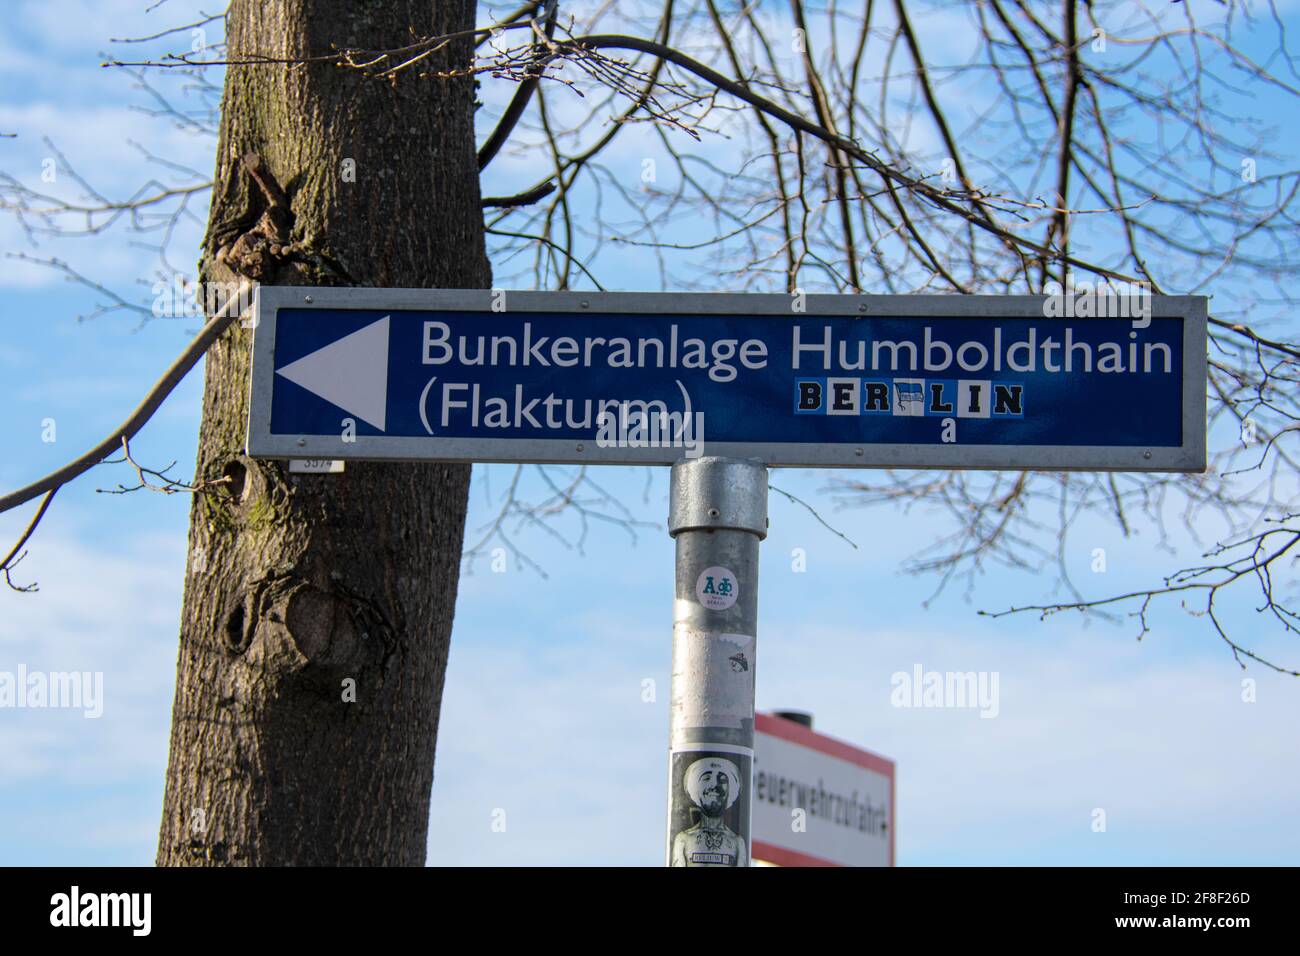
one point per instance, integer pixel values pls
(710, 494)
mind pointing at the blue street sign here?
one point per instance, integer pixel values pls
(1080, 381)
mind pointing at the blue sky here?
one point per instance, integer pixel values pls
(1155, 733)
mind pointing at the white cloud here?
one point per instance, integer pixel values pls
(1164, 744)
(547, 721)
(71, 26)
(110, 611)
(1156, 734)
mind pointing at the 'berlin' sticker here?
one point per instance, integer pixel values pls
(717, 588)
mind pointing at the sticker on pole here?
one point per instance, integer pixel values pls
(716, 588)
(713, 681)
(709, 805)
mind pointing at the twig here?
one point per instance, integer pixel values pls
(13, 557)
(143, 412)
(813, 511)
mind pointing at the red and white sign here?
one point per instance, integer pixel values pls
(818, 801)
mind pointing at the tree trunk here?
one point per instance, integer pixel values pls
(300, 585)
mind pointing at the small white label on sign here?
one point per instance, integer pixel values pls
(717, 588)
(314, 466)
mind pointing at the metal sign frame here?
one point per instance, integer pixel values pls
(825, 746)
(1190, 457)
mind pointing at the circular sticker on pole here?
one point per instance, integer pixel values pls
(717, 588)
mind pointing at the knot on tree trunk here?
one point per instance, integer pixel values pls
(306, 638)
(259, 243)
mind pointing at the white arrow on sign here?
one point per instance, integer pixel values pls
(352, 373)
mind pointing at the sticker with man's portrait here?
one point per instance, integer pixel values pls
(710, 807)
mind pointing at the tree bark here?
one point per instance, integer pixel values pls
(298, 585)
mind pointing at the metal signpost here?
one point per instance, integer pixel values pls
(721, 387)
(717, 515)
